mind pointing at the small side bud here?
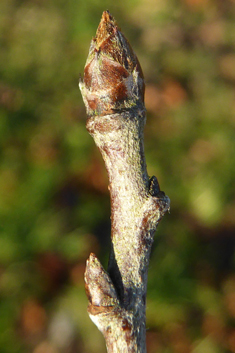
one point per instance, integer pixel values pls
(154, 187)
(99, 287)
(113, 79)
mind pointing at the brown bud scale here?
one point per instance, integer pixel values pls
(113, 78)
(113, 93)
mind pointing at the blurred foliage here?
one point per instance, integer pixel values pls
(53, 181)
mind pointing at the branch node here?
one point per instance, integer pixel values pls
(113, 93)
(99, 287)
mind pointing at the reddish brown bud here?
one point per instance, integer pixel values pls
(113, 79)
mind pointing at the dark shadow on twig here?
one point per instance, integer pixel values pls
(115, 275)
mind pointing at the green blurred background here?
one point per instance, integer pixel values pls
(54, 201)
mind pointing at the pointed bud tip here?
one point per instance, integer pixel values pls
(113, 79)
(107, 17)
(106, 27)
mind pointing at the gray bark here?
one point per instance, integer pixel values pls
(113, 91)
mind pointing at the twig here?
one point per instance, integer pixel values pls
(113, 93)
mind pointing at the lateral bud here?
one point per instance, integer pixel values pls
(113, 78)
(99, 287)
